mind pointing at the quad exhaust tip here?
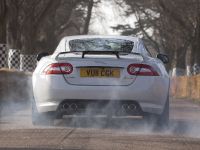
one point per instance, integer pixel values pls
(129, 107)
(132, 107)
(124, 106)
(72, 106)
(66, 106)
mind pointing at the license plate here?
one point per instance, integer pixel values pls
(100, 72)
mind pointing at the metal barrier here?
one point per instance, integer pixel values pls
(3, 56)
(27, 62)
(18, 61)
(13, 59)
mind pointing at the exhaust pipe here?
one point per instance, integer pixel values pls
(132, 107)
(73, 106)
(124, 107)
(66, 106)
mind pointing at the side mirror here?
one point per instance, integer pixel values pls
(42, 54)
(164, 58)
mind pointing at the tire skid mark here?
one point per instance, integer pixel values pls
(67, 135)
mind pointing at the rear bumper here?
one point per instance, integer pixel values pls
(149, 92)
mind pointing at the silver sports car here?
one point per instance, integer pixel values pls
(107, 75)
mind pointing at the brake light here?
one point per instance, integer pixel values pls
(59, 68)
(141, 70)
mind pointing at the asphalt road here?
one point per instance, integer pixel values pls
(17, 132)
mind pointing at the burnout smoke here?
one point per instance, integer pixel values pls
(15, 97)
(15, 102)
(110, 119)
(132, 125)
(137, 125)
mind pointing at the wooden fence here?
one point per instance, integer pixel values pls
(186, 87)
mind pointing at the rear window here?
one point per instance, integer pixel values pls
(101, 44)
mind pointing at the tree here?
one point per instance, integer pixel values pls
(88, 16)
(2, 21)
(169, 25)
(37, 25)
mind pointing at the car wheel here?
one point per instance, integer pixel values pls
(41, 119)
(160, 121)
(163, 119)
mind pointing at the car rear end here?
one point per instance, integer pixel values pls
(99, 84)
(100, 75)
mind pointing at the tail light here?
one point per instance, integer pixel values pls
(59, 68)
(141, 70)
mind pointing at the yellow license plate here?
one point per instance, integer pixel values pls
(100, 72)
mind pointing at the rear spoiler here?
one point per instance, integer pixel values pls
(117, 53)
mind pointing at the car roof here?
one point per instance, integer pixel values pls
(132, 38)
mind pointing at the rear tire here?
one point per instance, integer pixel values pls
(163, 119)
(160, 121)
(41, 119)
